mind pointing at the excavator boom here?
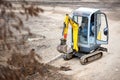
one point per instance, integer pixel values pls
(75, 28)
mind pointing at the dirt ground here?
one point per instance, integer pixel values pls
(49, 24)
(48, 28)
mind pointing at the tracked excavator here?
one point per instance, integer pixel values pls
(84, 31)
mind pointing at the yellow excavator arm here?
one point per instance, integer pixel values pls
(75, 28)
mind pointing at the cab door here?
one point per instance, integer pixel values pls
(101, 28)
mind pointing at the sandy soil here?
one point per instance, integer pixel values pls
(48, 27)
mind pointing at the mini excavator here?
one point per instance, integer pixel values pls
(87, 29)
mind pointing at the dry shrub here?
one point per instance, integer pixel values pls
(12, 26)
(31, 10)
(27, 63)
(30, 69)
(8, 74)
(21, 66)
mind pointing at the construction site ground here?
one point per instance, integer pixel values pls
(50, 23)
(48, 28)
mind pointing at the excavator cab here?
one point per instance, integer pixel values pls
(93, 28)
(92, 31)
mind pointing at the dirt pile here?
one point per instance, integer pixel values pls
(64, 68)
(27, 67)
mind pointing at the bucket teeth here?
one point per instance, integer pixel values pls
(68, 56)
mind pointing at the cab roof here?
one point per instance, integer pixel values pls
(84, 11)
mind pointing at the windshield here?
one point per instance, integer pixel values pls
(83, 28)
(77, 19)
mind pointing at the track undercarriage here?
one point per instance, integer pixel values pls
(86, 58)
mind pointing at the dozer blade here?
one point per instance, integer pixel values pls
(90, 57)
